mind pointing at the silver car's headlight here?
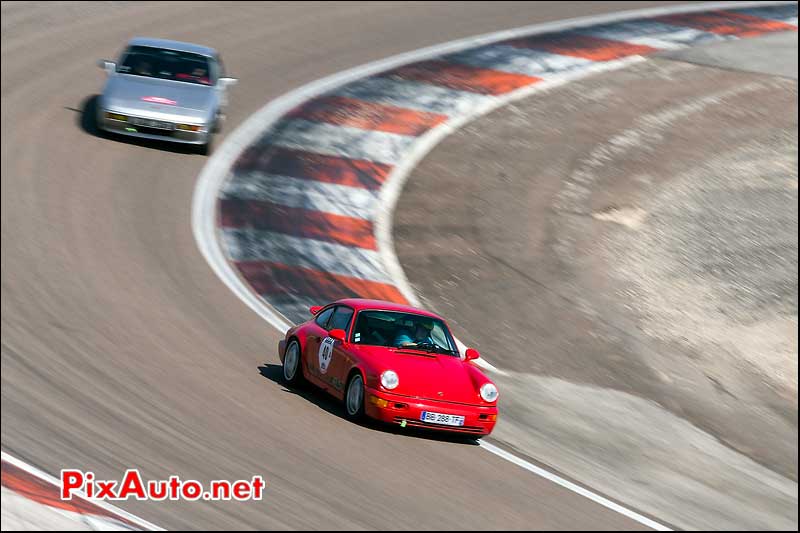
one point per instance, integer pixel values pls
(489, 392)
(389, 379)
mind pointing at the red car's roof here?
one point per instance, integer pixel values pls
(360, 304)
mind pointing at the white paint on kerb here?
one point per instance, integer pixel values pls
(658, 35)
(529, 62)
(332, 198)
(245, 244)
(342, 141)
(415, 95)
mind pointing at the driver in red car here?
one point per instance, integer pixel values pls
(420, 335)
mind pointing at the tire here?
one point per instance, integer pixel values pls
(204, 149)
(217, 123)
(354, 398)
(293, 364)
(208, 147)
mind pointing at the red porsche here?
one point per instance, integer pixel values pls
(393, 363)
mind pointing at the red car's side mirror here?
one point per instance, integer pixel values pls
(337, 334)
(471, 354)
(315, 309)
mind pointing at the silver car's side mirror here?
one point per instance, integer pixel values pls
(227, 82)
(108, 66)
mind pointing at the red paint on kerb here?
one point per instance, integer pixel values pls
(367, 115)
(727, 23)
(583, 46)
(36, 489)
(296, 221)
(311, 166)
(275, 279)
(462, 77)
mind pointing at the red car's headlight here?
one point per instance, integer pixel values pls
(389, 379)
(489, 392)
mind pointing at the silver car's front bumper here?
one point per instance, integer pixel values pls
(175, 135)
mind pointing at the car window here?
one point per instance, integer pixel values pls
(322, 318)
(341, 318)
(395, 329)
(154, 62)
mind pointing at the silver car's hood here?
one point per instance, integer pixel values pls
(137, 95)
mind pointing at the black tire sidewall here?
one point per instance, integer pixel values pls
(217, 123)
(208, 147)
(297, 379)
(359, 415)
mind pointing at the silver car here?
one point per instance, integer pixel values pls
(165, 90)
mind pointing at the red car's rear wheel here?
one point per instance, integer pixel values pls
(292, 365)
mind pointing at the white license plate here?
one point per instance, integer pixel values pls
(439, 418)
(150, 123)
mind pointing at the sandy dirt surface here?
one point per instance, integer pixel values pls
(626, 248)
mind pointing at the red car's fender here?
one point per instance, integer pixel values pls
(439, 377)
(294, 332)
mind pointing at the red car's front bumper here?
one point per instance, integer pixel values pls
(395, 409)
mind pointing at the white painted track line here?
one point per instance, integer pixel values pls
(573, 487)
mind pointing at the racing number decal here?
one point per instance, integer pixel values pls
(325, 353)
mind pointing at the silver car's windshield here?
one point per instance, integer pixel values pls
(152, 62)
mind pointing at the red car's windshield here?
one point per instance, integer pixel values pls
(152, 62)
(398, 330)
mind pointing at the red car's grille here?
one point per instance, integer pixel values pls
(420, 424)
(439, 401)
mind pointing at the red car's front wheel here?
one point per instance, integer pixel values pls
(354, 398)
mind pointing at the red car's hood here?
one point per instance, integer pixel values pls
(424, 375)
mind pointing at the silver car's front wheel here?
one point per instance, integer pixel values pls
(292, 373)
(217, 126)
(208, 147)
(354, 398)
